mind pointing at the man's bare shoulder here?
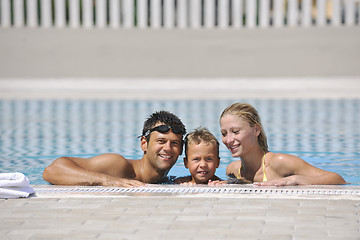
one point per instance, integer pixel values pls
(109, 156)
(113, 164)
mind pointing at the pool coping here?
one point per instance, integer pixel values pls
(339, 87)
(228, 191)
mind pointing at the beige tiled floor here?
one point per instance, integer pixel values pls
(182, 215)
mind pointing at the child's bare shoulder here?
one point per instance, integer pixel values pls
(180, 180)
(216, 178)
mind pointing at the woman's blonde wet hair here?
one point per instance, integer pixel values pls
(249, 114)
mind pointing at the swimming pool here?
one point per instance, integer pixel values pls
(326, 133)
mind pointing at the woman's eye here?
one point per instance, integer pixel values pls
(237, 131)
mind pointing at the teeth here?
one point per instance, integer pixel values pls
(165, 156)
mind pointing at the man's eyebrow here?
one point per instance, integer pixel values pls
(164, 138)
(160, 138)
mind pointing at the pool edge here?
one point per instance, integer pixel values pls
(229, 191)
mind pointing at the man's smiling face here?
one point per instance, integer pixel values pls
(163, 149)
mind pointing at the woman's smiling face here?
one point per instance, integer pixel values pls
(237, 135)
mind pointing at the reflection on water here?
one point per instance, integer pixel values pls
(326, 133)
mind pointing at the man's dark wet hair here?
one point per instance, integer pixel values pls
(165, 118)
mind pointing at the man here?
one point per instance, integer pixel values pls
(161, 141)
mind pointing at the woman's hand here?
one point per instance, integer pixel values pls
(286, 181)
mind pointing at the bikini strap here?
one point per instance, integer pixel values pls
(263, 165)
(238, 173)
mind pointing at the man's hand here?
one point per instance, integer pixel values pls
(123, 182)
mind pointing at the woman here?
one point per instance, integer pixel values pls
(243, 134)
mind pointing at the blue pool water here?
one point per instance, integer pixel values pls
(326, 133)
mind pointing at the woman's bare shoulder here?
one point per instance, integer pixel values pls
(285, 164)
(233, 168)
(281, 158)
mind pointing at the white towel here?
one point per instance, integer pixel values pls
(14, 185)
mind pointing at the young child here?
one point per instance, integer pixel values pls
(201, 158)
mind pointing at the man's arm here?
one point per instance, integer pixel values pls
(296, 171)
(105, 170)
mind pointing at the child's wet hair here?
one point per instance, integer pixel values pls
(199, 135)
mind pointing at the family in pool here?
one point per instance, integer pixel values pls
(162, 142)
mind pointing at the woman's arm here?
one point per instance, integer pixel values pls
(296, 171)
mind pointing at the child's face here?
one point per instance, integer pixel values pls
(202, 161)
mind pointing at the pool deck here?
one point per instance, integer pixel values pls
(275, 63)
(163, 64)
(177, 212)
